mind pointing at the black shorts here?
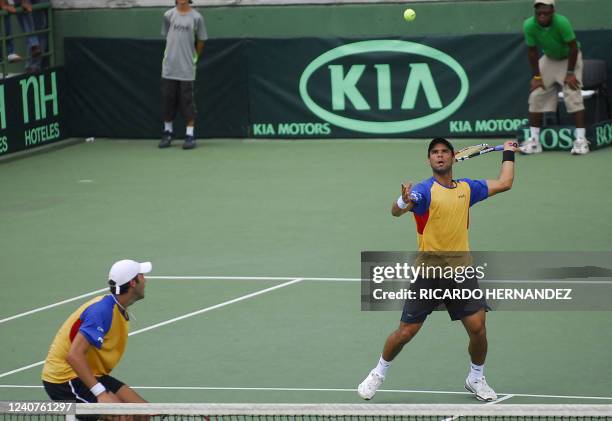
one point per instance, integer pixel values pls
(416, 310)
(75, 389)
(178, 95)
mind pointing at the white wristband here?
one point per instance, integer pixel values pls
(401, 204)
(98, 389)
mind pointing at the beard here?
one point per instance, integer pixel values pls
(442, 171)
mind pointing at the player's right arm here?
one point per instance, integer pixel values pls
(536, 78)
(165, 25)
(201, 36)
(404, 203)
(77, 358)
(532, 54)
(199, 48)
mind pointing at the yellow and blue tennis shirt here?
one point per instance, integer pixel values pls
(442, 214)
(104, 326)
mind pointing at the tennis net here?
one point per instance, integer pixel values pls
(322, 412)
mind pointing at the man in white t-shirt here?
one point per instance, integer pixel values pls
(185, 34)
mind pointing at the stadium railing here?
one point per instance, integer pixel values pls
(48, 31)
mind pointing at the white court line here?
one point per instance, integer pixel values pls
(235, 278)
(454, 417)
(505, 398)
(301, 389)
(216, 306)
(176, 319)
(59, 303)
(253, 278)
(542, 281)
(280, 278)
(17, 370)
(231, 278)
(305, 278)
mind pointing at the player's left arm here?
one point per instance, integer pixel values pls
(570, 77)
(199, 47)
(569, 37)
(201, 36)
(506, 175)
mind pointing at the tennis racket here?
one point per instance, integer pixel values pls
(476, 150)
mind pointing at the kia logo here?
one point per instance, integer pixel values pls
(420, 81)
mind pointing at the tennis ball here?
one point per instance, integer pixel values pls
(409, 15)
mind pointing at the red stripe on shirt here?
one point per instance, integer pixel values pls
(421, 221)
(75, 329)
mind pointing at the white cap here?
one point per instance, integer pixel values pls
(545, 2)
(124, 271)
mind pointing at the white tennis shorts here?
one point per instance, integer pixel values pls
(553, 74)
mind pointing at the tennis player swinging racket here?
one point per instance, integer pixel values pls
(440, 206)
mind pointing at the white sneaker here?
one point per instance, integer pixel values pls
(481, 389)
(531, 146)
(581, 146)
(367, 389)
(14, 58)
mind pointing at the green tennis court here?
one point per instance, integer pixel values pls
(255, 245)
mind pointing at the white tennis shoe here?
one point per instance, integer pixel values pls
(531, 146)
(367, 389)
(481, 389)
(581, 146)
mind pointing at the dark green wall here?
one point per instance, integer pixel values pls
(453, 17)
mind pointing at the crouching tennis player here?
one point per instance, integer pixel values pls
(92, 340)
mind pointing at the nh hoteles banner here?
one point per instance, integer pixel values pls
(31, 110)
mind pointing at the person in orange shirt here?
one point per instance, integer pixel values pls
(92, 340)
(440, 206)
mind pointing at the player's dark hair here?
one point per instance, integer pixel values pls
(123, 288)
(437, 140)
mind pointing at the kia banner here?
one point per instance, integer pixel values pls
(469, 86)
(388, 87)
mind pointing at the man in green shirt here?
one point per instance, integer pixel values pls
(560, 67)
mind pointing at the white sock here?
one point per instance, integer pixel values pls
(168, 126)
(580, 133)
(189, 131)
(535, 132)
(476, 372)
(382, 367)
